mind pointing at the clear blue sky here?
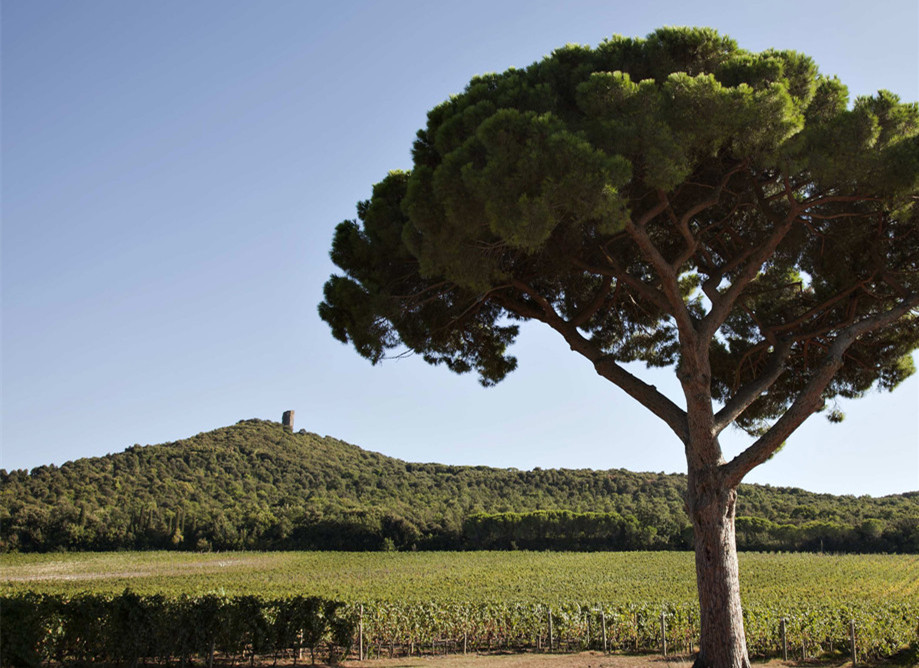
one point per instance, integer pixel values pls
(173, 172)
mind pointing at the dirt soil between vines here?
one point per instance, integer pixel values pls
(580, 660)
(525, 660)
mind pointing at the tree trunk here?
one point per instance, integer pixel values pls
(723, 643)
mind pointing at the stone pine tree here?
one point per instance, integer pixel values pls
(673, 200)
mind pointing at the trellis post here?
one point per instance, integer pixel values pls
(360, 633)
(784, 632)
(664, 633)
(603, 622)
(852, 640)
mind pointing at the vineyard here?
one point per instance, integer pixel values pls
(382, 604)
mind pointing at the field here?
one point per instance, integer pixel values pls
(439, 602)
(465, 577)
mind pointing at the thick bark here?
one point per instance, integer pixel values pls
(711, 508)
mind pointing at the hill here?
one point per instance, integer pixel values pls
(256, 485)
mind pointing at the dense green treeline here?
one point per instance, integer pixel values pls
(565, 530)
(257, 486)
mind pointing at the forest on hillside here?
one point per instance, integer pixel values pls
(256, 485)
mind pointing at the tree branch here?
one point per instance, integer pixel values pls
(723, 302)
(647, 395)
(692, 243)
(811, 397)
(588, 311)
(825, 199)
(550, 315)
(670, 285)
(615, 271)
(749, 393)
(518, 308)
(818, 310)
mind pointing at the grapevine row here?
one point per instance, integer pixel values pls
(125, 629)
(810, 630)
(43, 628)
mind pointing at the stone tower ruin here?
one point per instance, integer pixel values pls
(287, 420)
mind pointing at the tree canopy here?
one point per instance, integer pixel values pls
(589, 188)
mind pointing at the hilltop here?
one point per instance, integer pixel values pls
(257, 485)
